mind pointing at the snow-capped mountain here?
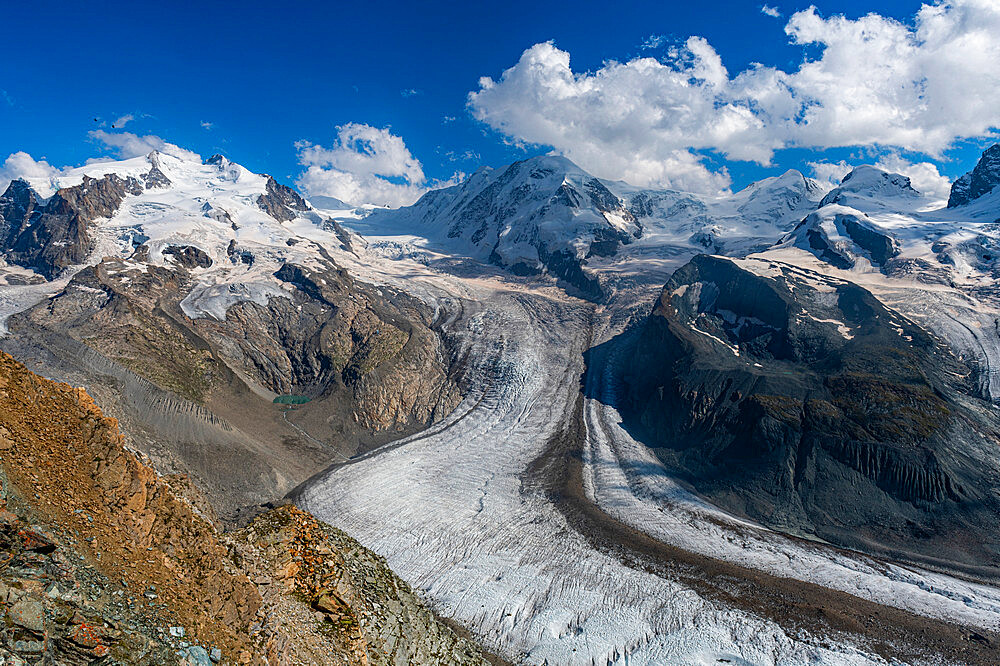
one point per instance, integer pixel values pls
(544, 214)
(229, 218)
(750, 218)
(204, 291)
(547, 215)
(869, 188)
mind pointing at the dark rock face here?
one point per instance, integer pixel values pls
(859, 238)
(239, 255)
(281, 202)
(17, 205)
(154, 177)
(880, 246)
(188, 256)
(981, 180)
(805, 404)
(50, 237)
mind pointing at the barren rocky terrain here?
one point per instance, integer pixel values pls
(104, 561)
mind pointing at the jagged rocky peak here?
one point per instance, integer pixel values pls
(18, 193)
(982, 180)
(48, 238)
(281, 202)
(868, 182)
(155, 177)
(776, 392)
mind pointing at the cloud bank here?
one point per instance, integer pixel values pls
(125, 145)
(365, 165)
(875, 82)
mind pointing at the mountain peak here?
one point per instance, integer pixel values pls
(980, 181)
(540, 215)
(868, 182)
(17, 188)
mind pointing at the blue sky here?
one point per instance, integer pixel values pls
(252, 80)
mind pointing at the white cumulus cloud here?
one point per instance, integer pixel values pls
(830, 173)
(767, 10)
(631, 121)
(126, 145)
(924, 176)
(39, 173)
(873, 82)
(365, 165)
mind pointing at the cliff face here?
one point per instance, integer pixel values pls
(50, 237)
(100, 557)
(802, 402)
(980, 181)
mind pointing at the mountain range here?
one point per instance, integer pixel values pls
(819, 361)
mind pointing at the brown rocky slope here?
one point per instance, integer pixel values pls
(101, 561)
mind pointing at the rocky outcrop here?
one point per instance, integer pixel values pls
(802, 402)
(188, 256)
(355, 607)
(281, 202)
(104, 561)
(982, 180)
(139, 557)
(48, 238)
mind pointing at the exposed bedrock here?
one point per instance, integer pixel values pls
(803, 403)
(51, 236)
(196, 393)
(281, 202)
(980, 181)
